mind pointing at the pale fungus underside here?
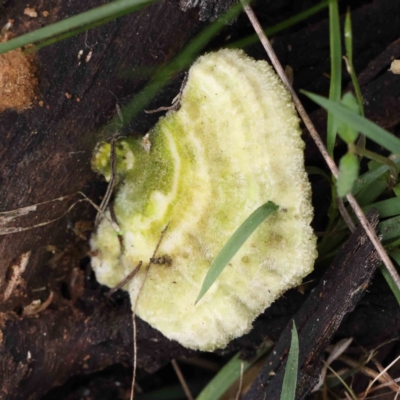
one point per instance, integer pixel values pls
(233, 145)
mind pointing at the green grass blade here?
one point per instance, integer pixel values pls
(273, 30)
(386, 208)
(348, 36)
(290, 378)
(348, 40)
(370, 177)
(390, 229)
(368, 128)
(84, 28)
(311, 170)
(235, 242)
(107, 11)
(183, 60)
(349, 390)
(389, 280)
(335, 89)
(396, 190)
(370, 194)
(229, 374)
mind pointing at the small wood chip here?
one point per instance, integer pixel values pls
(395, 67)
(30, 12)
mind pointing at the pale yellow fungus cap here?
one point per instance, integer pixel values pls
(233, 145)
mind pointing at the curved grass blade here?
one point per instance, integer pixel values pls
(106, 12)
(363, 125)
(290, 378)
(311, 170)
(235, 243)
(229, 374)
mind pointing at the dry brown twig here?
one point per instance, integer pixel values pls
(381, 373)
(8, 216)
(381, 377)
(318, 141)
(182, 379)
(134, 312)
(337, 350)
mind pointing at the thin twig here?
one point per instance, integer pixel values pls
(176, 101)
(134, 312)
(181, 379)
(381, 373)
(365, 370)
(345, 215)
(314, 134)
(111, 183)
(7, 216)
(124, 281)
(113, 177)
(16, 229)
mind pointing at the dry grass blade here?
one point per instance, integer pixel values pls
(382, 378)
(317, 139)
(391, 381)
(381, 373)
(240, 382)
(337, 350)
(182, 379)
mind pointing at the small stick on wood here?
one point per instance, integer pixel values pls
(134, 312)
(113, 177)
(111, 184)
(176, 101)
(345, 215)
(124, 281)
(314, 134)
(181, 379)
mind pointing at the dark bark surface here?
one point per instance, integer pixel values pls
(45, 153)
(337, 294)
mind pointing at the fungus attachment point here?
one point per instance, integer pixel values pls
(233, 146)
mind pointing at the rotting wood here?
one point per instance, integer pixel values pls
(335, 296)
(45, 153)
(208, 9)
(32, 361)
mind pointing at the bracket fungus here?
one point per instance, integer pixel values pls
(233, 145)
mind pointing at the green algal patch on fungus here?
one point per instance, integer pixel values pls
(233, 145)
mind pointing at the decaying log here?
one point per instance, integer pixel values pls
(208, 9)
(33, 361)
(332, 299)
(45, 153)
